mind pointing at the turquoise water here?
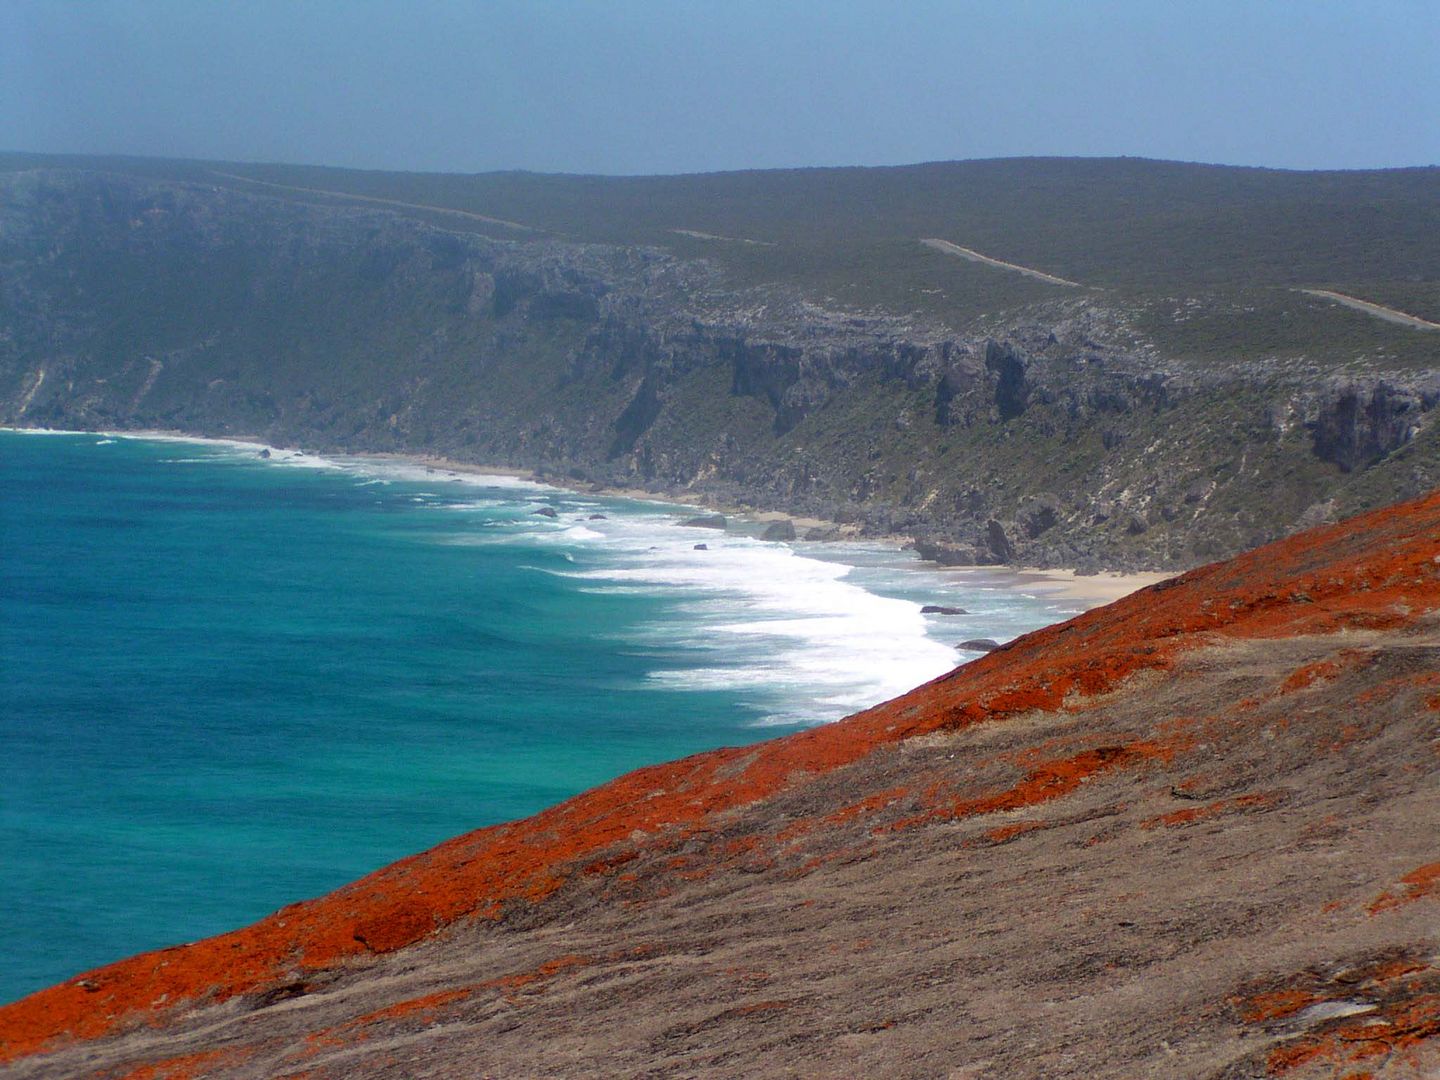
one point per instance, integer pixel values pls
(229, 683)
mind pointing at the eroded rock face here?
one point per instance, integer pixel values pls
(1360, 424)
(1190, 835)
(630, 367)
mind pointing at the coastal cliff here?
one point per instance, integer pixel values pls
(1053, 430)
(1191, 834)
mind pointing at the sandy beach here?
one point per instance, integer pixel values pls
(1087, 590)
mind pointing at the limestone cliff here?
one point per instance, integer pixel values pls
(1054, 433)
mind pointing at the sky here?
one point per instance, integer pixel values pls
(666, 86)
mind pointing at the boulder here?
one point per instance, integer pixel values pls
(264, 453)
(779, 530)
(707, 521)
(999, 541)
(598, 517)
(941, 609)
(702, 547)
(822, 534)
(547, 511)
(947, 554)
(979, 644)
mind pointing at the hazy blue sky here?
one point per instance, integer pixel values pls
(634, 86)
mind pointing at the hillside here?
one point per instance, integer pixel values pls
(779, 339)
(1192, 834)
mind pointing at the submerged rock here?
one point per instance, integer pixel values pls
(707, 521)
(941, 609)
(979, 644)
(547, 511)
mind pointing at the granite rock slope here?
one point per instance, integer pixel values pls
(1192, 834)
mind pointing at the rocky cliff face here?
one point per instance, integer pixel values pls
(1052, 435)
(1192, 835)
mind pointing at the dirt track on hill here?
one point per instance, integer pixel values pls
(1380, 311)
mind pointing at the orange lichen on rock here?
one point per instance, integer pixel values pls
(1238, 804)
(1325, 670)
(1374, 571)
(1276, 1005)
(545, 972)
(186, 1066)
(1416, 885)
(426, 1003)
(1382, 1011)
(1005, 833)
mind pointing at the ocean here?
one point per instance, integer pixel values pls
(230, 682)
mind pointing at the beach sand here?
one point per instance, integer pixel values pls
(1085, 590)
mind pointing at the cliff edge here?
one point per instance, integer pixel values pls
(1155, 421)
(1191, 834)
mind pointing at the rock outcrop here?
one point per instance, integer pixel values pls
(1192, 834)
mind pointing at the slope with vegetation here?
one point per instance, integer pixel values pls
(782, 338)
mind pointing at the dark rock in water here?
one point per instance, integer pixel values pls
(947, 554)
(264, 453)
(702, 547)
(822, 534)
(779, 530)
(979, 644)
(598, 517)
(941, 609)
(547, 511)
(709, 521)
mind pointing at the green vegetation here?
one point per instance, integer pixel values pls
(1187, 402)
(1227, 239)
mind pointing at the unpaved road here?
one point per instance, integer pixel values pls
(383, 202)
(1377, 310)
(948, 248)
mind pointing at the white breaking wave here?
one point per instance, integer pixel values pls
(788, 633)
(768, 623)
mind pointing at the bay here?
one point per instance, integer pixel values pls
(229, 682)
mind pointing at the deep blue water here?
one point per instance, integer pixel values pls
(229, 683)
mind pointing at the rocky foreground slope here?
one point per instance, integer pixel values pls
(1193, 834)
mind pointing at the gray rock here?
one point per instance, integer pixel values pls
(702, 547)
(999, 541)
(941, 609)
(982, 644)
(779, 530)
(708, 521)
(547, 511)
(948, 554)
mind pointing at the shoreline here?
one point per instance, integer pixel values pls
(1090, 590)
